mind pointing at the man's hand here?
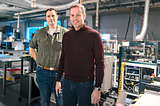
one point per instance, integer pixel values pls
(95, 97)
(58, 88)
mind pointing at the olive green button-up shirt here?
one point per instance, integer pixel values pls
(49, 47)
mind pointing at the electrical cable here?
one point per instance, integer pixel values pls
(134, 87)
(35, 80)
(129, 22)
(128, 88)
(120, 81)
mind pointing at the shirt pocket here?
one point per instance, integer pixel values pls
(43, 43)
(59, 45)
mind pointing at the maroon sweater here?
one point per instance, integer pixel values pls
(81, 50)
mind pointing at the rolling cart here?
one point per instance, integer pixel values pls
(28, 88)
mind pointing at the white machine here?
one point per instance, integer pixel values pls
(107, 80)
(18, 45)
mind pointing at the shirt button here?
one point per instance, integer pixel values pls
(51, 58)
(51, 50)
(87, 77)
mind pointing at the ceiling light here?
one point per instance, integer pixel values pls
(59, 7)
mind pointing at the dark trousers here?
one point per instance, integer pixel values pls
(74, 92)
(46, 80)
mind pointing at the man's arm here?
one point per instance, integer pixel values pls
(60, 70)
(99, 61)
(59, 74)
(33, 53)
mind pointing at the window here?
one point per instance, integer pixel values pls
(58, 22)
(31, 30)
(65, 23)
(105, 36)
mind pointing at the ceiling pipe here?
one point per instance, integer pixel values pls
(29, 12)
(97, 15)
(18, 23)
(57, 7)
(33, 11)
(145, 22)
(88, 1)
(17, 5)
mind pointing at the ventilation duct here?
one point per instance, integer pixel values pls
(145, 22)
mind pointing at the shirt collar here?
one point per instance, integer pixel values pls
(57, 29)
(82, 28)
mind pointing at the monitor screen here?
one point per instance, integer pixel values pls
(105, 36)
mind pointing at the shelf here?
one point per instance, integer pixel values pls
(142, 64)
(133, 68)
(132, 74)
(131, 79)
(132, 94)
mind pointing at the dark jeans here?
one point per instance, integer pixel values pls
(46, 80)
(74, 92)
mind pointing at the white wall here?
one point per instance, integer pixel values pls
(120, 23)
(154, 24)
(89, 20)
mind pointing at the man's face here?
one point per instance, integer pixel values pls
(51, 17)
(76, 17)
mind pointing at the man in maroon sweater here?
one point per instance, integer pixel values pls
(82, 50)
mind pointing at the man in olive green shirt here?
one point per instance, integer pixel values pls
(49, 43)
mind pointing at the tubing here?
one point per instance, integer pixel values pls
(145, 22)
(35, 80)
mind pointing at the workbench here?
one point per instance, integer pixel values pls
(5, 59)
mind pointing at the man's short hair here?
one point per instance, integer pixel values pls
(80, 6)
(50, 9)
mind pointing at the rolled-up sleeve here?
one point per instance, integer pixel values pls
(34, 42)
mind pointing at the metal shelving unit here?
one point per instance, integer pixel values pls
(141, 63)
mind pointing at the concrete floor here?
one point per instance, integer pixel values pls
(12, 95)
